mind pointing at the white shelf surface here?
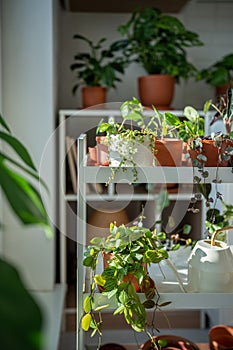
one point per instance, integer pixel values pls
(52, 306)
(95, 197)
(169, 288)
(156, 174)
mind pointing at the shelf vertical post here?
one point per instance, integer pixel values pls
(81, 240)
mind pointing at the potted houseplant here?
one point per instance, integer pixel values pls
(20, 316)
(98, 69)
(147, 128)
(127, 253)
(224, 110)
(219, 74)
(158, 42)
(129, 250)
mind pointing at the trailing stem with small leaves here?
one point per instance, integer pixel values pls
(131, 250)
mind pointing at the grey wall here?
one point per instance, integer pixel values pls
(28, 104)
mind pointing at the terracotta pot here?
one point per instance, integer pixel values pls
(92, 155)
(130, 277)
(102, 151)
(211, 152)
(169, 152)
(157, 90)
(221, 337)
(101, 218)
(222, 90)
(93, 95)
(173, 342)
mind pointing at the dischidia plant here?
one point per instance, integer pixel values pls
(132, 249)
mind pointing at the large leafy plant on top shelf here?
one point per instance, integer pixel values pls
(20, 317)
(159, 42)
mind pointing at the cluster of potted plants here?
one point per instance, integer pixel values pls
(140, 138)
(129, 250)
(157, 41)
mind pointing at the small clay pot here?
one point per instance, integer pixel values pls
(169, 152)
(173, 343)
(102, 151)
(93, 155)
(221, 337)
(211, 152)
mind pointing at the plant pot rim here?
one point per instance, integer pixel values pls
(172, 340)
(156, 75)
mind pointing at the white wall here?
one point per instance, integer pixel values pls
(28, 105)
(211, 20)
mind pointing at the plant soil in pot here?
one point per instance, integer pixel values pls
(169, 152)
(157, 90)
(173, 342)
(221, 337)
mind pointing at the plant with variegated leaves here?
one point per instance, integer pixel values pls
(132, 250)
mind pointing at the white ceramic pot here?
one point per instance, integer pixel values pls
(133, 151)
(210, 268)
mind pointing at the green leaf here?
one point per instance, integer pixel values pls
(99, 280)
(86, 321)
(191, 113)
(187, 229)
(4, 124)
(119, 310)
(162, 343)
(101, 307)
(32, 173)
(87, 304)
(149, 304)
(23, 198)
(19, 148)
(20, 317)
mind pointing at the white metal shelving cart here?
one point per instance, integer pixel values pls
(89, 174)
